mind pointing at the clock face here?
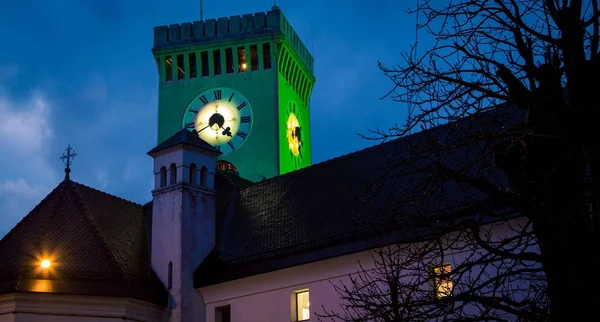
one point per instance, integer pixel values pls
(294, 133)
(221, 116)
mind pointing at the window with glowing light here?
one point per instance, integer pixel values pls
(442, 280)
(300, 305)
(242, 63)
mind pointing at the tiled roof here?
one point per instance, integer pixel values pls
(184, 136)
(355, 196)
(97, 244)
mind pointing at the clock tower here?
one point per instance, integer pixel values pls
(243, 84)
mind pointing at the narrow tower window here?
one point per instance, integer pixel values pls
(170, 276)
(180, 67)
(254, 57)
(266, 55)
(243, 64)
(217, 61)
(163, 176)
(204, 59)
(193, 66)
(203, 176)
(168, 69)
(193, 173)
(173, 174)
(229, 60)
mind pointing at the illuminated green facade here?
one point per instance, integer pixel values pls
(256, 55)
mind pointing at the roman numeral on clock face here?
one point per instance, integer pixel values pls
(241, 106)
(231, 145)
(203, 99)
(242, 134)
(217, 94)
(245, 119)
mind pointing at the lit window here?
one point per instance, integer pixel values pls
(242, 63)
(443, 280)
(301, 305)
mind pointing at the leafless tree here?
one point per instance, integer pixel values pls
(535, 58)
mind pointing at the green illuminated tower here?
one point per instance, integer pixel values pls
(243, 83)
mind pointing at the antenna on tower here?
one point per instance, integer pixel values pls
(201, 10)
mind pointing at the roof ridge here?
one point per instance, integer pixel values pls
(99, 234)
(42, 202)
(108, 194)
(383, 142)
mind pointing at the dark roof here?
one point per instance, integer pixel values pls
(187, 137)
(97, 243)
(353, 198)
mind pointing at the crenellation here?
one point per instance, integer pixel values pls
(223, 26)
(260, 23)
(186, 31)
(161, 35)
(174, 32)
(198, 30)
(273, 19)
(235, 24)
(210, 28)
(247, 22)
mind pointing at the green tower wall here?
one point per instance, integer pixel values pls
(267, 90)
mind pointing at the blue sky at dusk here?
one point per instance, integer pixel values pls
(82, 72)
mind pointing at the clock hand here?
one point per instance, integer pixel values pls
(202, 129)
(226, 131)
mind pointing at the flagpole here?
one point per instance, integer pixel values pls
(201, 10)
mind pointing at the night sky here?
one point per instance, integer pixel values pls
(81, 72)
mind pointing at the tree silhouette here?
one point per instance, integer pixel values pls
(533, 66)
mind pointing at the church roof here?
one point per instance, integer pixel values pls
(97, 245)
(187, 137)
(335, 207)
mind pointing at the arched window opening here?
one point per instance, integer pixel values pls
(193, 174)
(163, 176)
(173, 174)
(170, 276)
(203, 176)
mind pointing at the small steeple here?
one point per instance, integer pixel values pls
(67, 159)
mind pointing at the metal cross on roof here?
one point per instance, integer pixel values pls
(67, 159)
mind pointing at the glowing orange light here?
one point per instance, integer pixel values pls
(45, 263)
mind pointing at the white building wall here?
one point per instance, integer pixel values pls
(44, 307)
(266, 297)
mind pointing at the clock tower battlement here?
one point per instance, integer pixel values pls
(242, 27)
(244, 84)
